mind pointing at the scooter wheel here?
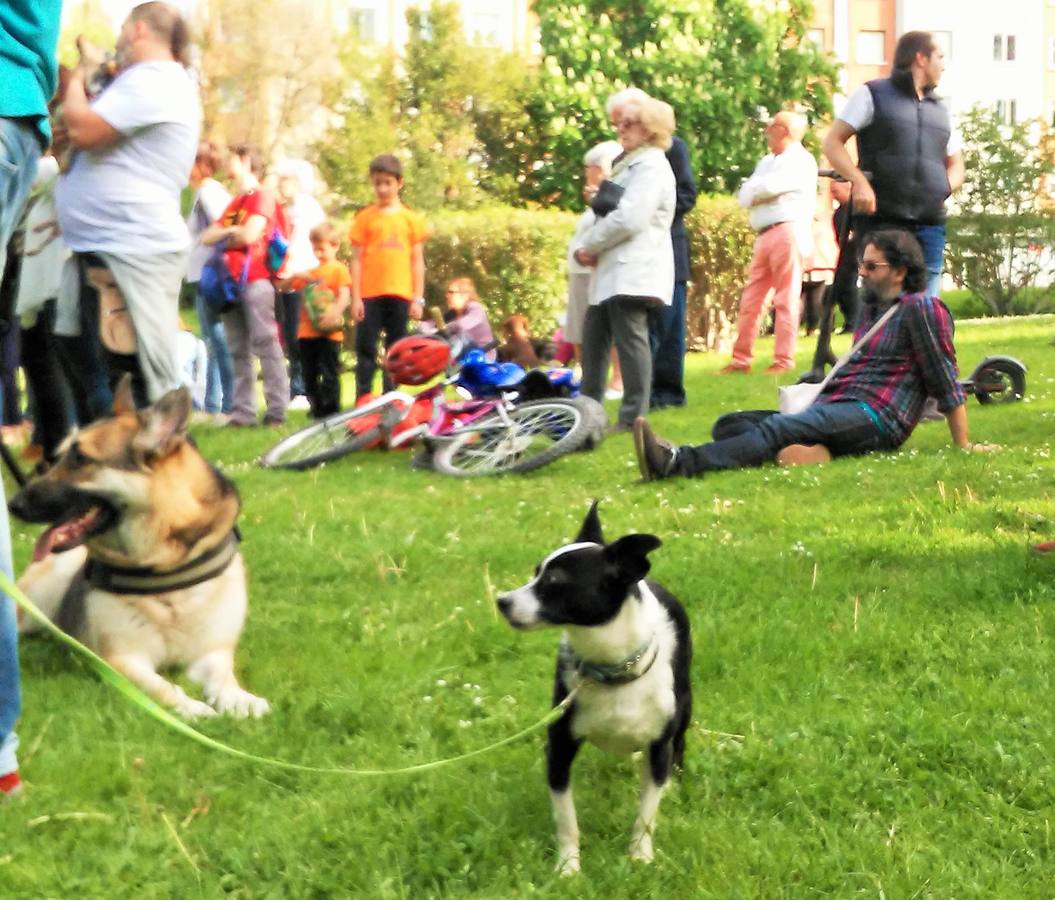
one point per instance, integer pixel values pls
(999, 382)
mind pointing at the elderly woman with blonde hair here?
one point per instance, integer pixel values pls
(629, 246)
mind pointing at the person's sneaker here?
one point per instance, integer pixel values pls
(655, 456)
(613, 394)
(270, 421)
(300, 402)
(10, 785)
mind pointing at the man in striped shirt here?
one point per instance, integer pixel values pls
(874, 401)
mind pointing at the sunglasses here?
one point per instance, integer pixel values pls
(870, 266)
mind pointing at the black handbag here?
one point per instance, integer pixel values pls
(607, 198)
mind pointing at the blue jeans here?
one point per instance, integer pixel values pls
(219, 372)
(666, 335)
(932, 239)
(289, 320)
(846, 428)
(19, 150)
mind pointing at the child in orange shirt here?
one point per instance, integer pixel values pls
(388, 269)
(326, 296)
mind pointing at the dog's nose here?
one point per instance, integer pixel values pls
(505, 603)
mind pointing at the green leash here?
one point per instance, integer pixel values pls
(134, 694)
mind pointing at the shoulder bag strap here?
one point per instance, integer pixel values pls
(880, 322)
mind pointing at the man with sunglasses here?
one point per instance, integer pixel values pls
(873, 402)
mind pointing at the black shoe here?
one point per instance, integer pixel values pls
(655, 456)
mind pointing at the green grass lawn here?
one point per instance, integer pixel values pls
(873, 630)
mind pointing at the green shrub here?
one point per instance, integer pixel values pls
(720, 245)
(517, 259)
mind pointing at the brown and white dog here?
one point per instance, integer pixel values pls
(140, 560)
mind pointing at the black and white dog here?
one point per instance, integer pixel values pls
(626, 649)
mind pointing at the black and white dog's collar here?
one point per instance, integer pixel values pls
(119, 580)
(622, 672)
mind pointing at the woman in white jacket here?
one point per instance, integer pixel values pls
(634, 258)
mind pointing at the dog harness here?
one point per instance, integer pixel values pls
(622, 672)
(119, 580)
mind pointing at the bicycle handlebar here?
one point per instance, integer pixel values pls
(835, 176)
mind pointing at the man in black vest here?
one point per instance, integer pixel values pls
(906, 142)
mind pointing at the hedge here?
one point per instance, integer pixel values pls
(516, 257)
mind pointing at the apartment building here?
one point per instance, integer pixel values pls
(1000, 55)
(503, 24)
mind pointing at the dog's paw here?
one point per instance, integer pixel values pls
(641, 848)
(569, 865)
(241, 704)
(190, 708)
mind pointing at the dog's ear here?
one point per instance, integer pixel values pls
(590, 532)
(164, 424)
(124, 402)
(630, 555)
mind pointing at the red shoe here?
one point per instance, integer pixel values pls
(10, 785)
(1045, 549)
(776, 369)
(733, 369)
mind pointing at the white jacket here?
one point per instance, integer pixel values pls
(636, 256)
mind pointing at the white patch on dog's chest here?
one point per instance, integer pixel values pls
(628, 717)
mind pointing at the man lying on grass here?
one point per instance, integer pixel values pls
(871, 403)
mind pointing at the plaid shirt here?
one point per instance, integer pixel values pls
(908, 360)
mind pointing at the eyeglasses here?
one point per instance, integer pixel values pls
(870, 266)
(627, 123)
(454, 291)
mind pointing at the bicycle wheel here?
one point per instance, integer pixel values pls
(526, 437)
(336, 436)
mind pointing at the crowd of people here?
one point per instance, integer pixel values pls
(92, 285)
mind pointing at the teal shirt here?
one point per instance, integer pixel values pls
(29, 34)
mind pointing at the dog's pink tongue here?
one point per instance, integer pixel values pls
(45, 542)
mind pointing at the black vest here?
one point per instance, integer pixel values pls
(904, 148)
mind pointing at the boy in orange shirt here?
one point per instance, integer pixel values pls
(327, 294)
(388, 269)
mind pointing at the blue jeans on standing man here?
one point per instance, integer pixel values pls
(932, 239)
(219, 370)
(19, 151)
(666, 333)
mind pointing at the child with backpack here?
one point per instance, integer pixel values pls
(326, 295)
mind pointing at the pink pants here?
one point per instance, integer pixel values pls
(776, 265)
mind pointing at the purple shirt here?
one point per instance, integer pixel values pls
(472, 325)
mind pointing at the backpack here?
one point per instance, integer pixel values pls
(220, 290)
(277, 247)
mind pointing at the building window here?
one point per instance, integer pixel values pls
(998, 47)
(943, 41)
(362, 24)
(1007, 112)
(871, 48)
(484, 28)
(1010, 48)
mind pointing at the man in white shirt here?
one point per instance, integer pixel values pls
(118, 204)
(780, 195)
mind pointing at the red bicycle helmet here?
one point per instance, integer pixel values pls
(414, 360)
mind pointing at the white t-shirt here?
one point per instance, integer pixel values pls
(125, 198)
(209, 203)
(783, 188)
(305, 213)
(859, 113)
(44, 253)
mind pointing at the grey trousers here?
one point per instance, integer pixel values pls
(252, 331)
(623, 320)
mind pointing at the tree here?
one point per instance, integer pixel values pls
(86, 18)
(1000, 244)
(722, 64)
(446, 109)
(264, 70)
